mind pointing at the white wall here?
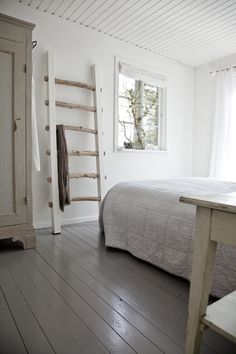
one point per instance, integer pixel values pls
(203, 114)
(75, 49)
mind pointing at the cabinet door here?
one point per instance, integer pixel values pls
(12, 133)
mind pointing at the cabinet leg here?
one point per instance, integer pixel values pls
(28, 241)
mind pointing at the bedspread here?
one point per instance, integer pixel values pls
(147, 219)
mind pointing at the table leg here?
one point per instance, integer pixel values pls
(201, 279)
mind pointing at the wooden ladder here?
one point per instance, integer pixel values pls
(52, 103)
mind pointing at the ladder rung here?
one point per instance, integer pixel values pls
(80, 129)
(75, 106)
(75, 84)
(82, 175)
(83, 153)
(82, 199)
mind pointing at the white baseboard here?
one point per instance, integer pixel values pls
(44, 224)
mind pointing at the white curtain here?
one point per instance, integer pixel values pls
(223, 154)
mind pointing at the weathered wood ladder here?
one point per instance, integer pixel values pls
(52, 103)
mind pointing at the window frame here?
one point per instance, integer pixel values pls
(162, 148)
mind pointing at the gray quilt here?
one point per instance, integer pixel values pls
(147, 219)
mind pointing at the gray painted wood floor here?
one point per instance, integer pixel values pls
(73, 295)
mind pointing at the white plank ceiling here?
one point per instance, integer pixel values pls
(192, 32)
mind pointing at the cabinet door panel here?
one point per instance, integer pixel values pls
(12, 134)
(6, 138)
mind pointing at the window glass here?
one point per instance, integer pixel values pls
(139, 114)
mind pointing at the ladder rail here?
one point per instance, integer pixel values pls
(98, 137)
(55, 210)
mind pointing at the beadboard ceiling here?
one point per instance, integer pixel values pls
(192, 32)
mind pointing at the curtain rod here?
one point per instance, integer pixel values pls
(217, 71)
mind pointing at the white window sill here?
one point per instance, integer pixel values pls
(133, 151)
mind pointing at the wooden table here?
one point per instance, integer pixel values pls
(216, 222)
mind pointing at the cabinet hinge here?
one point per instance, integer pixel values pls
(26, 200)
(25, 68)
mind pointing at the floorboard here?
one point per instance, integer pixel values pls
(8, 329)
(148, 286)
(167, 281)
(61, 340)
(71, 322)
(116, 279)
(139, 322)
(31, 332)
(72, 294)
(144, 291)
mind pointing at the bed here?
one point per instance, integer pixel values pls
(147, 219)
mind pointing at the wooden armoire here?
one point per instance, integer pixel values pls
(15, 130)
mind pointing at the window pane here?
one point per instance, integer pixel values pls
(125, 83)
(150, 121)
(138, 114)
(124, 111)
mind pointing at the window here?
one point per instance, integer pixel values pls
(140, 109)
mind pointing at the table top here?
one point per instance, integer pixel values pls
(223, 202)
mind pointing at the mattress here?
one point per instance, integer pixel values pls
(147, 219)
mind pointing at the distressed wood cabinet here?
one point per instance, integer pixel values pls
(15, 130)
